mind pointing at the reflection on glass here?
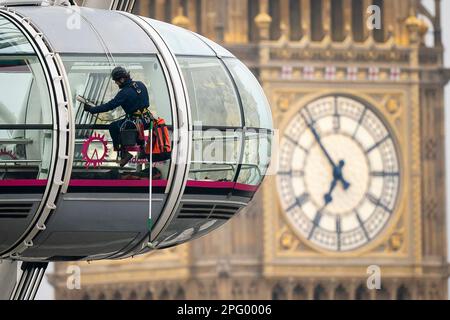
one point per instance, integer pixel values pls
(25, 109)
(26, 157)
(215, 155)
(256, 160)
(211, 93)
(12, 41)
(256, 107)
(90, 78)
(25, 97)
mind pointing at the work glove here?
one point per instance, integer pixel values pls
(87, 108)
(88, 105)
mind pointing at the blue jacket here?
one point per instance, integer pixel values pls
(128, 98)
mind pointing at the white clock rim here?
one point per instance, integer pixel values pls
(391, 222)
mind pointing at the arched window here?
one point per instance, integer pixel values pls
(148, 295)
(320, 293)
(237, 290)
(358, 20)
(252, 12)
(316, 20)
(117, 296)
(164, 295)
(362, 293)
(101, 296)
(337, 20)
(403, 293)
(133, 295)
(86, 297)
(274, 12)
(278, 293)
(252, 290)
(299, 293)
(180, 295)
(433, 291)
(383, 294)
(295, 20)
(379, 34)
(340, 293)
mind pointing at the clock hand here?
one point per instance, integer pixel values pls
(317, 219)
(328, 197)
(337, 176)
(319, 141)
(337, 169)
(345, 184)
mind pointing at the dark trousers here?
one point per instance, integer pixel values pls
(114, 130)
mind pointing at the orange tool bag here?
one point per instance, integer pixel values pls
(161, 142)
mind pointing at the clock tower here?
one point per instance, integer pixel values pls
(356, 89)
(361, 183)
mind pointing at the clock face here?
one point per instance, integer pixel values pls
(339, 173)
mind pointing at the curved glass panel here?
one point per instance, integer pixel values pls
(25, 99)
(26, 129)
(181, 41)
(121, 34)
(215, 155)
(257, 155)
(256, 107)
(12, 41)
(211, 93)
(59, 23)
(90, 78)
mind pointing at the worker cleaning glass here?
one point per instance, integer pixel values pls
(134, 99)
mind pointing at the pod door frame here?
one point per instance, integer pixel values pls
(182, 127)
(63, 128)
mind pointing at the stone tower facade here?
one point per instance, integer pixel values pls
(303, 52)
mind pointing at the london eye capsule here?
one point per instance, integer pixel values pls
(63, 194)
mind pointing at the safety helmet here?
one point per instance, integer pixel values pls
(119, 73)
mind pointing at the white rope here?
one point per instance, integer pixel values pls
(150, 222)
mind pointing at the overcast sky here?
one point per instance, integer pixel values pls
(46, 291)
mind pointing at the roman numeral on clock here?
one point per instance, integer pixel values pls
(296, 143)
(338, 232)
(384, 174)
(376, 145)
(363, 114)
(299, 201)
(292, 173)
(361, 224)
(336, 117)
(316, 223)
(377, 202)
